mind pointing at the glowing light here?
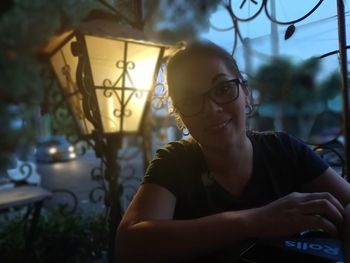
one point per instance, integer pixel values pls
(52, 150)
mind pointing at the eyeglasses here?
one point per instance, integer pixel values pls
(223, 93)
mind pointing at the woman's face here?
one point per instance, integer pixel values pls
(200, 82)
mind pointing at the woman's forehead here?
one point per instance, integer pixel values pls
(196, 66)
(200, 73)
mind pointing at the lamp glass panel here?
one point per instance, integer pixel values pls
(65, 65)
(110, 109)
(106, 58)
(136, 106)
(104, 55)
(145, 58)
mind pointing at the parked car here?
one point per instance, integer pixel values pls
(55, 149)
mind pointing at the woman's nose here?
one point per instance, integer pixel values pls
(211, 106)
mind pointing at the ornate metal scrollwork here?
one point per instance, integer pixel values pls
(25, 170)
(139, 94)
(71, 200)
(261, 5)
(128, 182)
(111, 89)
(97, 194)
(64, 104)
(84, 82)
(160, 97)
(329, 151)
(63, 120)
(119, 113)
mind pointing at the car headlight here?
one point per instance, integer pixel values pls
(52, 150)
(71, 149)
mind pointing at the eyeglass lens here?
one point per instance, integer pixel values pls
(222, 93)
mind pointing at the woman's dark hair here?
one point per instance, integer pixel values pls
(198, 48)
(190, 50)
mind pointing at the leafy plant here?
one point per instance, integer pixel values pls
(60, 237)
(294, 91)
(24, 27)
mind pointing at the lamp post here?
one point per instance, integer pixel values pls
(107, 73)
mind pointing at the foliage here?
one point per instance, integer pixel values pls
(164, 23)
(61, 237)
(295, 93)
(329, 88)
(24, 28)
(271, 79)
(292, 84)
(62, 119)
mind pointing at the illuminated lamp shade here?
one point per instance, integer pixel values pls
(116, 73)
(64, 65)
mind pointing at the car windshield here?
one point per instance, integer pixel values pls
(50, 143)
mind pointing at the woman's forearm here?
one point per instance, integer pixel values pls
(166, 239)
(163, 239)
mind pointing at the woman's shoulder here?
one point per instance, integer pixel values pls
(179, 146)
(174, 165)
(268, 135)
(183, 149)
(279, 139)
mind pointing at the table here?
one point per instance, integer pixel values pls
(25, 196)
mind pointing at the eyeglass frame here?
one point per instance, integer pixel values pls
(237, 81)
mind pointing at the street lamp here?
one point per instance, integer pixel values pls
(107, 73)
(115, 74)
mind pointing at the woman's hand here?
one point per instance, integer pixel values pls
(298, 212)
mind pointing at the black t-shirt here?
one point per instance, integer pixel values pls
(281, 164)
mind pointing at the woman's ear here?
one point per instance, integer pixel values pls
(247, 94)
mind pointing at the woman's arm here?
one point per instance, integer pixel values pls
(148, 230)
(331, 182)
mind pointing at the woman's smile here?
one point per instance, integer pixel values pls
(217, 126)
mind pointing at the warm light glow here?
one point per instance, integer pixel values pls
(106, 57)
(110, 122)
(108, 105)
(117, 72)
(103, 57)
(137, 106)
(145, 59)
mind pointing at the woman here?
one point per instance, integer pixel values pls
(227, 185)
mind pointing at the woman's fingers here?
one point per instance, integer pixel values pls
(305, 197)
(324, 208)
(305, 211)
(319, 222)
